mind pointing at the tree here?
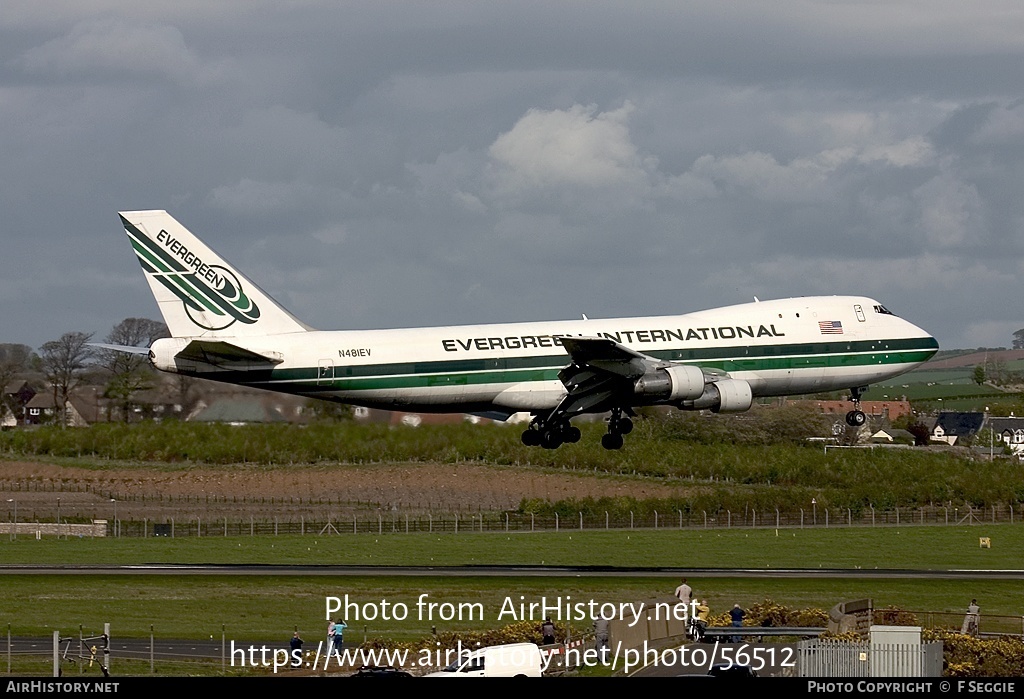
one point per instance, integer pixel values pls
(64, 362)
(1018, 339)
(979, 375)
(14, 359)
(130, 373)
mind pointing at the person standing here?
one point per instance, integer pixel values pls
(296, 649)
(684, 593)
(601, 636)
(339, 634)
(547, 631)
(971, 619)
(737, 614)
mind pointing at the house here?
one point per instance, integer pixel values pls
(875, 409)
(81, 411)
(957, 427)
(1010, 432)
(17, 394)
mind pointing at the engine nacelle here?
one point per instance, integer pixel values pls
(725, 396)
(672, 383)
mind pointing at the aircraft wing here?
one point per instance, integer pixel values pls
(601, 369)
(220, 353)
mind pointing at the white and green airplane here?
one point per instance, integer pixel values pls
(227, 329)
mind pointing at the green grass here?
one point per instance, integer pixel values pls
(267, 609)
(919, 547)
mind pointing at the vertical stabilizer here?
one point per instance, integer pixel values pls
(200, 294)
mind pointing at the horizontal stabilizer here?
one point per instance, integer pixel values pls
(127, 349)
(218, 353)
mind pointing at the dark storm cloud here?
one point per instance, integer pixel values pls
(385, 164)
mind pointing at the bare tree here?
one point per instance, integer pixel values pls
(14, 359)
(130, 373)
(64, 362)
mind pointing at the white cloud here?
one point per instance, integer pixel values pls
(578, 148)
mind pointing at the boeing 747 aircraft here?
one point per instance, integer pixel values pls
(227, 329)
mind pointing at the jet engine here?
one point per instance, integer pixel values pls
(723, 396)
(671, 383)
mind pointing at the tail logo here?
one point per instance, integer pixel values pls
(212, 294)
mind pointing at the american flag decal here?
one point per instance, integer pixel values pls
(830, 327)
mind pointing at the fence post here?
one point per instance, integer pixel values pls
(172, 527)
(506, 521)
(556, 521)
(631, 519)
(705, 518)
(531, 521)
(456, 522)
(801, 518)
(581, 521)
(776, 518)
(872, 514)
(606, 519)
(655, 519)
(680, 518)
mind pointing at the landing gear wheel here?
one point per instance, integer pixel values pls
(572, 435)
(855, 418)
(531, 438)
(624, 426)
(551, 439)
(611, 441)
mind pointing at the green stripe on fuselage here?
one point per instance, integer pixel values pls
(545, 368)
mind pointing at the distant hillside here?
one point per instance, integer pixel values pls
(973, 358)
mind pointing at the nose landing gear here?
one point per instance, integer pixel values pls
(856, 418)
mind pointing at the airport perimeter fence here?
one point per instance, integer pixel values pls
(76, 522)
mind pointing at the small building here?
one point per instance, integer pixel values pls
(1010, 432)
(957, 427)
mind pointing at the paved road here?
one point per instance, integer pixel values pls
(507, 571)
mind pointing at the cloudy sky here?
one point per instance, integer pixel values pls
(385, 164)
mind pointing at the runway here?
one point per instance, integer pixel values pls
(507, 571)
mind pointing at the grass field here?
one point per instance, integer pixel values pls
(918, 547)
(268, 607)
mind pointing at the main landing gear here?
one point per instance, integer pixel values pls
(856, 418)
(618, 426)
(551, 434)
(541, 434)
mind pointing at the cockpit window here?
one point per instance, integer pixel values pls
(883, 310)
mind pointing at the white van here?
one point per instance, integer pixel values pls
(510, 660)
